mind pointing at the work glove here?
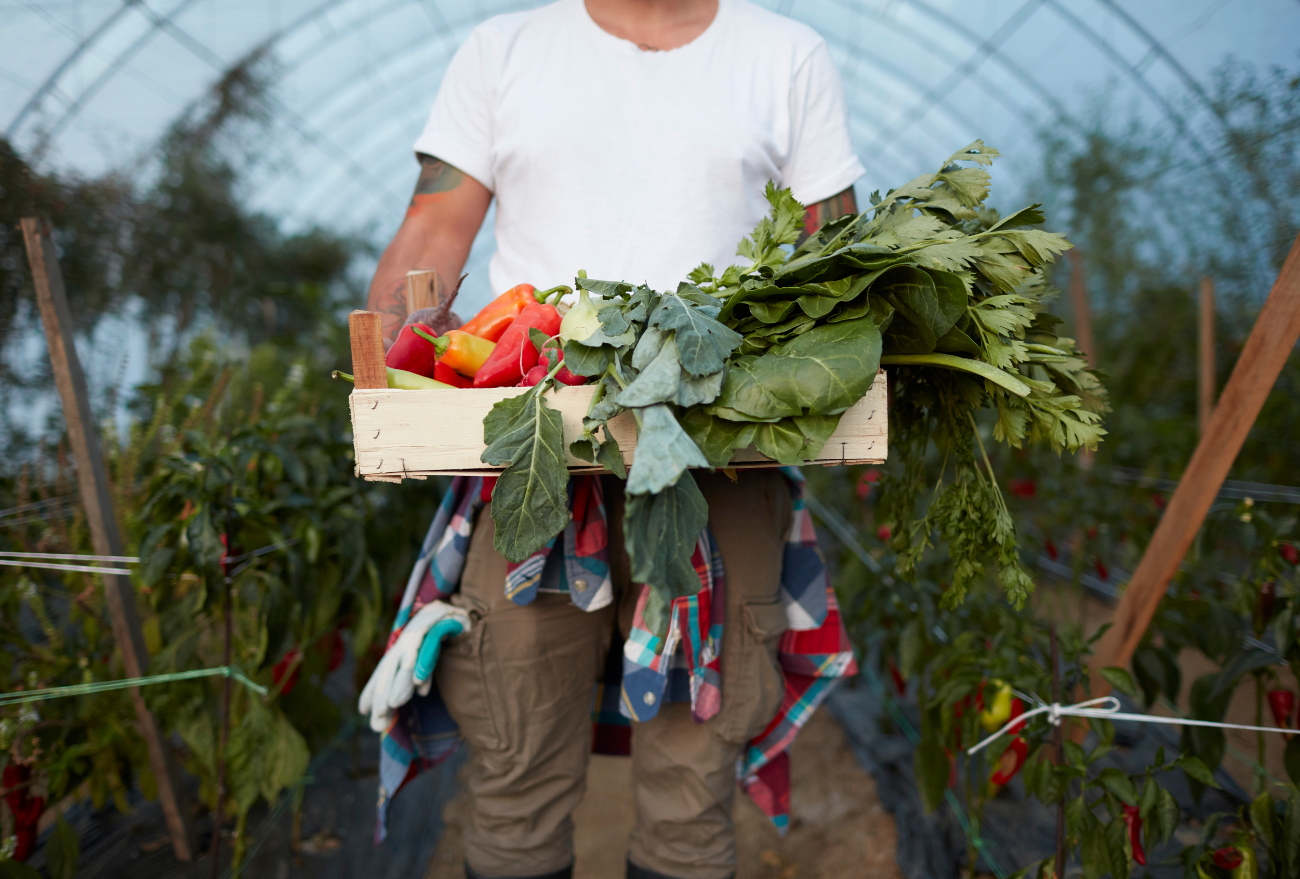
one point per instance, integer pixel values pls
(408, 664)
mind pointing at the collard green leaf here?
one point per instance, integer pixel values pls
(603, 289)
(660, 531)
(663, 452)
(658, 382)
(584, 449)
(647, 347)
(782, 441)
(703, 343)
(530, 501)
(824, 371)
(698, 390)
(717, 437)
(585, 360)
(816, 429)
(610, 456)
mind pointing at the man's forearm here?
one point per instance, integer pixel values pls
(821, 213)
(441, 221)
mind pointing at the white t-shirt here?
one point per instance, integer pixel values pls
(635, 165)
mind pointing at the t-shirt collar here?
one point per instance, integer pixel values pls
(608, 41)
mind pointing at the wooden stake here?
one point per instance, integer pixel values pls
(1079, 301)
(423, 290)
(1270, 344)
(93, 482)
(366, 331)
(1058, 866)
(1205, 373)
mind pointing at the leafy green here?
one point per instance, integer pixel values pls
(663, 452)
(823, 371)
(703, 343)
(529, 503)
(660, 530)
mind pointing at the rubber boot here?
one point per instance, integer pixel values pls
(566, 873)
(635, 872)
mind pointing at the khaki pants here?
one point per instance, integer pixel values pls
(519, 685)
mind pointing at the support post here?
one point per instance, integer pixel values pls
(1271, 342)
(92, 479)
(1079, 302)
(423, 290)
(365, 328)
(1205, 366)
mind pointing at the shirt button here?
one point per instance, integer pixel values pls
(648, 698)
(580, 585)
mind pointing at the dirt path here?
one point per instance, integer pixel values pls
(838, 826)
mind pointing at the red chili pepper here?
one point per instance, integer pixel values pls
(1282, 703)
(1052, 552)
(1017, 709)
(515, 353)
(25, 808)
(883, 533)
(281, 668)
(900, 684)
(413, 352)
(336, 651)
(1133, 819)
(865, 481)
(1102, 571)
(1290, 553)
(448, 376)
(979, 697)
(1012, 759)
(1266, 601)
(1159, 501)
(1227, 858)
(1023, 488)
(495, 317)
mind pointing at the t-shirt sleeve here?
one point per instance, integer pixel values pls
(821, 161)
(459, 130)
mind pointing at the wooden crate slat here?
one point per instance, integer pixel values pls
(415, 434)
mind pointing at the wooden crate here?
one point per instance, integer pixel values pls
(415, 434)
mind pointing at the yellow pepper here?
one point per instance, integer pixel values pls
(998, 712)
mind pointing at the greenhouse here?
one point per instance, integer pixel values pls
(880, 414)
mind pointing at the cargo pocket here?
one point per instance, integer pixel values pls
(463, 672)
(753, 692)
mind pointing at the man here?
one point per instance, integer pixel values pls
(633, 139)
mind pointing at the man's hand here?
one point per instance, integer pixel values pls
(445, 214)
(817, 215)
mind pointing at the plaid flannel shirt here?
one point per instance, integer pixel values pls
(814, 653)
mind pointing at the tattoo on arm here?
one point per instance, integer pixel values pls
(817, 215)
(436, 177)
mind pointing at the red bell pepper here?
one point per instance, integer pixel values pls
(515, 353)
(1228, 858)
(1282, 703)
(1017, 709)
(413, 351)
(495, 317)
(1133, 820)
(1011, 761)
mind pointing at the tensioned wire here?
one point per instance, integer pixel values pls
(21, 697)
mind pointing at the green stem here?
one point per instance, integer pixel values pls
(965, 364)
(542, 295)
(1261, 781)
(343, 375)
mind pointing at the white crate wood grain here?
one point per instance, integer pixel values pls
(415, 434)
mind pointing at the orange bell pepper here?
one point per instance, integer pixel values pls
(463, 352)
(498, 314)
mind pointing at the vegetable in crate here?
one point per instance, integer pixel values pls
(463, 352)
(927, 280)
(401, 380)
(414, 350)
(515, 352)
